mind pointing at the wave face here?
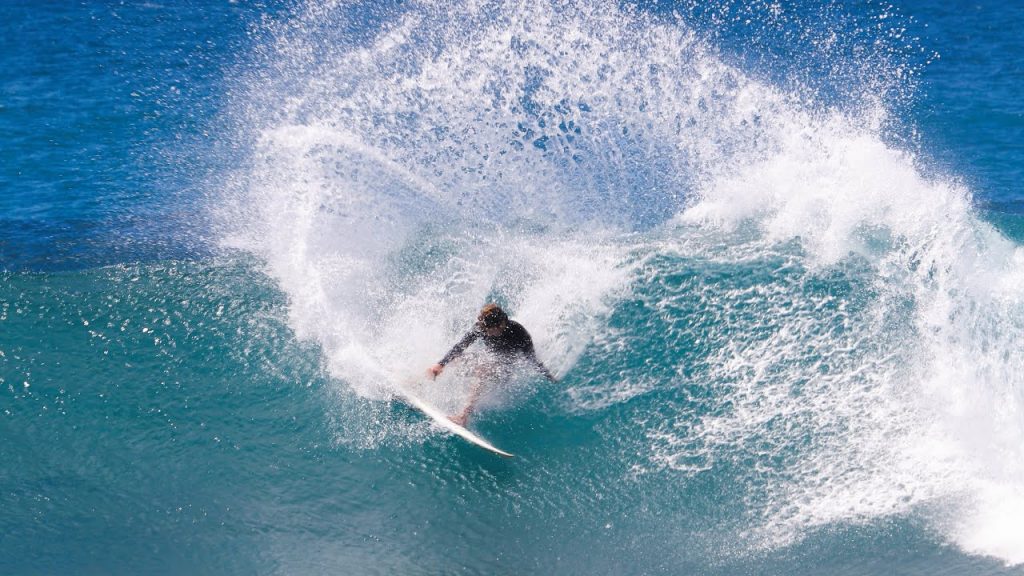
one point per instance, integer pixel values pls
(764, 312)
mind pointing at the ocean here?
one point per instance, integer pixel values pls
(772, 251)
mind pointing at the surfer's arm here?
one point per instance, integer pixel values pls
(531, 356)
(542, 368)
(454, 353)
(474, 395)
(459, 348)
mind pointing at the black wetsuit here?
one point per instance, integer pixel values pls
(513, 342)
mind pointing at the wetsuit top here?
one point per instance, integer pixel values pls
(513, 341)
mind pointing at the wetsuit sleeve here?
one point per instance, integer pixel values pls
(460, 347)
(542, 368)
(531, 355)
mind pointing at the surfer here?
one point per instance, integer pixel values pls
(506, 341)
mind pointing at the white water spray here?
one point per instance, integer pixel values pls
(538, 154)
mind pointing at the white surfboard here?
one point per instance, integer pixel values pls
(441, 419)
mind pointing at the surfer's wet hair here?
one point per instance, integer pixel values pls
(490, 316)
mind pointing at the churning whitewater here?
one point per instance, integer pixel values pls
(771, 250)
(751, 280)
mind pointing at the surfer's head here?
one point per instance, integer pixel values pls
(492, 319)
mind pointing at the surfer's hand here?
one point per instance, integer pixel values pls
(434, 371)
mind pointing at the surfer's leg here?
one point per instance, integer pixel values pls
(483, 372)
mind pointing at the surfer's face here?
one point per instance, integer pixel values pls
(495, 330)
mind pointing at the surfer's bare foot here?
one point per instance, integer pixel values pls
(459, 419)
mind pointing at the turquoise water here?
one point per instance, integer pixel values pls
(771, 250)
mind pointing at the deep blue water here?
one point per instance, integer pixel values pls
(772, 251)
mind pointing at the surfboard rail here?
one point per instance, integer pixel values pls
(441, 419)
